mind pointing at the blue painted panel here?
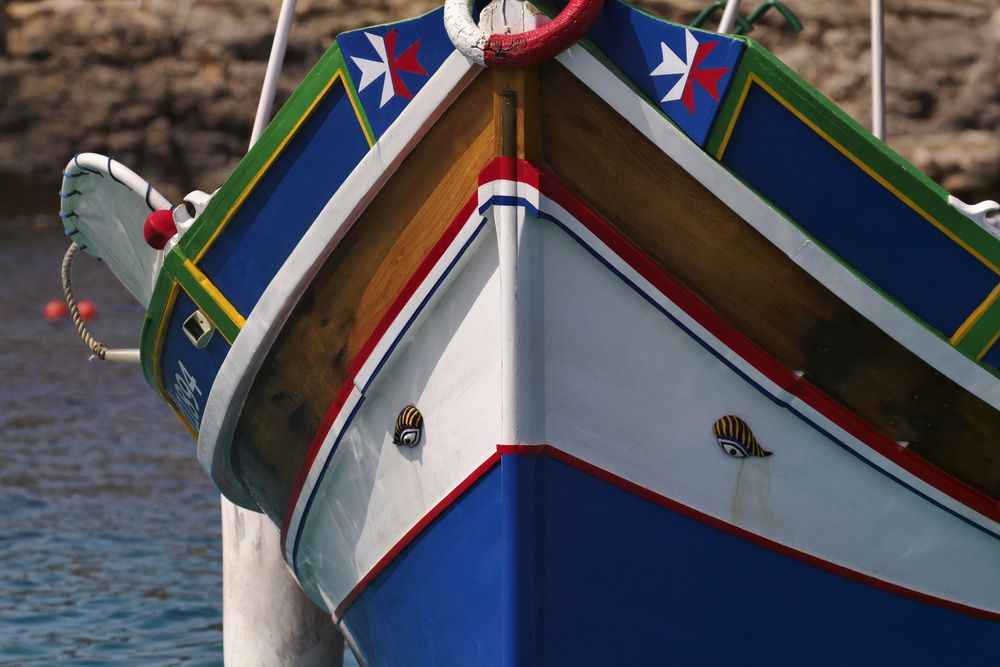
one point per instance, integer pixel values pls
(438, 604)
(580, 572)
(389, 64)
(655, 56)
(283, 205)
(853, 215)
(188, 373)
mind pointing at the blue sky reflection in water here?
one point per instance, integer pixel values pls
(109, 535)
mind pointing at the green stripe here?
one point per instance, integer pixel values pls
(201, 298)
(857, 140)
(195, 239)
(154, 315)
(982, 332)
(267, 145)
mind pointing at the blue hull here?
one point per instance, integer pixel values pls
(540, 563)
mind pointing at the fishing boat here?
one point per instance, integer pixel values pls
(580, 337)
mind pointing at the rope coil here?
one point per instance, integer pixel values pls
(99, 349)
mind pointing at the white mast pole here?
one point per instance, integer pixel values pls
(266, 618)
(274, 65)
(729, 16)
(878, 69)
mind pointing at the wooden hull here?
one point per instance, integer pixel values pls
(580, 289)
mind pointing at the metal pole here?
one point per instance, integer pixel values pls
(274, 65)
(267, 620)
(729, 16)
(878, 69)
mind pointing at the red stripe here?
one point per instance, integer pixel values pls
(359, 360)
(509, 169)
(764, 362)
(653, 497)
(503, 168)
(415, 531)
(680, 508)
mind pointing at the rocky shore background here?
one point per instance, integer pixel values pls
(169, 87)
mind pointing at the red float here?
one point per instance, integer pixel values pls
(159, 228)
(88, 310)
(55, 310)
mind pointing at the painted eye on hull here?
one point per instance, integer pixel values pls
(410, 437)
(733, 450)
(736, 439)
(409, 427)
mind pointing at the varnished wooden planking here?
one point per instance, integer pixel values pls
(524, 84)
(308, 363)
(751, 283)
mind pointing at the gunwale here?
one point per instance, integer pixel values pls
(944, 408)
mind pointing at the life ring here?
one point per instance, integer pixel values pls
(521, 49)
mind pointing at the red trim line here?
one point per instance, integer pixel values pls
(756, 356)
(425, 267)
(657, 499)
(552, 187)
(509, 169)
(415, 531)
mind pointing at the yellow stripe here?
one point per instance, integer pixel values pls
(732, 119)
(752, 78)
(187, 426)
(976, 315)
(339, 76)
(215, 295)
(161, 337)
(982, 353)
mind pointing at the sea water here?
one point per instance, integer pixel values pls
(109, 531)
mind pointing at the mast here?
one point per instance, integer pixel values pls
(729, 16)
(878, 69)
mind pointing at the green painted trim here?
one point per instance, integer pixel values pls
(202, 299)
(859, 142)
(155, 313)
(352, 91)
(270, 142)
(732, 101)
(194, 242)
(980, 338)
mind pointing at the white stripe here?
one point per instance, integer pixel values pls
(235, 377)
(787, 237)
(317, 468)
(365, 374)
(552, 208)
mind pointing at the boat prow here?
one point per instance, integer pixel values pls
(642, 353)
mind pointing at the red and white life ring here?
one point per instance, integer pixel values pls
(521, 49)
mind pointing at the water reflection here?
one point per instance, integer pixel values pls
(109, 533)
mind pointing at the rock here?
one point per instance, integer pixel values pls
(169, 86)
